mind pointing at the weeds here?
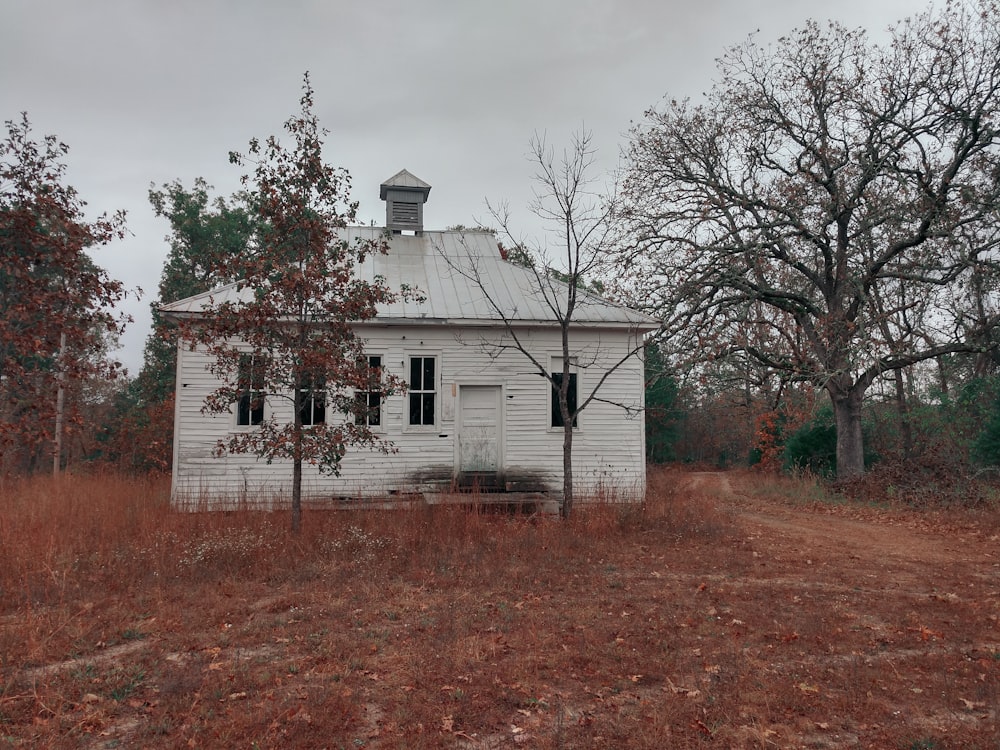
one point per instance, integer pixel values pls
(799, 488)
(132, 634)
(356, 545)
(649, 625)
(226, 549)
(124, 682)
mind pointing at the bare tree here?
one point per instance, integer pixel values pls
(826, 185)
(567, 267)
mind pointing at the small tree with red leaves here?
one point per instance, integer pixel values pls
(291, 335)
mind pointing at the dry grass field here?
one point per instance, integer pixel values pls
(728, 611)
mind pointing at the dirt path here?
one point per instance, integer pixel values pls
(901, 561)
(876, 538)
(904, 605)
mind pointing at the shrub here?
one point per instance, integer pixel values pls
(986, 448)
(813, 447)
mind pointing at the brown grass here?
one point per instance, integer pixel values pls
(125, 623)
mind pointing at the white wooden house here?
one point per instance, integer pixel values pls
(477, 411)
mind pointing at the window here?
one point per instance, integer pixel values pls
(313, 408)
(557, 420)
(422, 390)
(368, 406)
(250, 384)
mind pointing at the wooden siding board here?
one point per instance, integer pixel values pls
(608, 448)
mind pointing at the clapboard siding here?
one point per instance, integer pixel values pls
(608, 445)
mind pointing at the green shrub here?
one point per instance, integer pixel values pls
(986, 448)
(813, 446)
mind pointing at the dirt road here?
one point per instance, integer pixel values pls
(903, 605)
(868, 536)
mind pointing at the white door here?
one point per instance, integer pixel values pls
(479, 429)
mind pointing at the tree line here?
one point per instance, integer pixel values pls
(818, 234)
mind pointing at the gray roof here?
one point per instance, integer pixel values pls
(406, 180)
(463, 280)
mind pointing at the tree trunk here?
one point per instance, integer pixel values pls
(943, 377)
(297, 460)
(297, 495)
(850, 442)
(567, 504)
(57, 448)
(566, 507)
(903, 408)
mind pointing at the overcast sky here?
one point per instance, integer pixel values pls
(146, 91)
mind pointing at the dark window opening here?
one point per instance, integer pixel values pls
(423, 390)
(250, 384)
(368, 404)
(557, 418)
(313, 407)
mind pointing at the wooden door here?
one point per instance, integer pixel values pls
(479, 433)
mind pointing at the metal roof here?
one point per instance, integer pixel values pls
(407, 181)
(463, 280)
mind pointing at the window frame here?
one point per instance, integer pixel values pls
(309, 406)
(362, 416)
(423, 392)
(249, 384)
(555, 423)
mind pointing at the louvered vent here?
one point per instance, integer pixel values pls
(404, 197)
(405, 213)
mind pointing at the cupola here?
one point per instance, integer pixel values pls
(404, 196)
